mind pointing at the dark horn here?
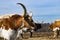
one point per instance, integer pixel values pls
(25, 11)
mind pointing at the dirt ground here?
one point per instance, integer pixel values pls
(39, 36)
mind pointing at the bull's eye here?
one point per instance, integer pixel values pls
(30, 19)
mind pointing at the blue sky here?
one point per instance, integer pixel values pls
(43, 10)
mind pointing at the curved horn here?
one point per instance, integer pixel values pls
(25, 11)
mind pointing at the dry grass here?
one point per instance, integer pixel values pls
(39, 36)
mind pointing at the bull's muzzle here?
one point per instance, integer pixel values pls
(32, 28)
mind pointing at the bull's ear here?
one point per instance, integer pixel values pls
(31, 14)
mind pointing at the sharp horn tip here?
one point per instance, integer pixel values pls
(18, 3)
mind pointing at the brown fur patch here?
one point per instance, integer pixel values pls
(14, 22)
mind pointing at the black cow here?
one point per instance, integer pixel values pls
(38, 26)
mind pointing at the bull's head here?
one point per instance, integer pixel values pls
(51, 26)
(28, 21)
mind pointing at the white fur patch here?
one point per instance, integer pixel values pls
(24, 29)
(32, 30)
(21, 31)
(57, 28)
(6, 33)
